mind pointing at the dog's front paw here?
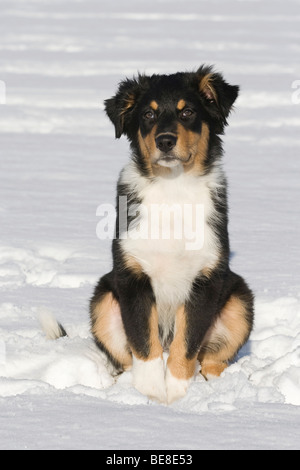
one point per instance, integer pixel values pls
(176, 388)
(149, 378)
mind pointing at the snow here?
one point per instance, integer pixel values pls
(59, 161)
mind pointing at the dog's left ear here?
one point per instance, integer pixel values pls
(218, 95)
(120, 107)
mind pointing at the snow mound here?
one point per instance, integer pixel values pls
(267, 369)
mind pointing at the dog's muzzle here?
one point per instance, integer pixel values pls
(165, 143)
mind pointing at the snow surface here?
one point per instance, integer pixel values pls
(59, 60)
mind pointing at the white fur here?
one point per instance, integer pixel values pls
(149, 378)
(171, 267)
(50, 325)
(176, 388)
(168, 163)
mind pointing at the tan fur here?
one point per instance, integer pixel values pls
(206, 87)
(212, 368)
(224, 338)
(148, 147)
(194, 144)
(181, 105)
(133, 265)
(179, 366)
(154, 105)
(155, 348)
(129, 103)
(109, 330)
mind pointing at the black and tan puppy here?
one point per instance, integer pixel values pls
(171, 288)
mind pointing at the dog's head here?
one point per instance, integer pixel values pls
(171, 119)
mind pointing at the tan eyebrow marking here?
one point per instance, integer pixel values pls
(181, 104)
(154, 105)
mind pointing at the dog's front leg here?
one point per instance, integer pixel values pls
(140, 320)
(191, 324)
(180, 366)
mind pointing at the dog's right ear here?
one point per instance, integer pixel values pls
(120, 107)
(218, 96)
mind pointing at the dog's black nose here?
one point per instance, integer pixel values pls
(166, 142)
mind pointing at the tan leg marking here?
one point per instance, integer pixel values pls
(148, 375)
(155, 348)
(224, 338)
(179, 366)
(109, 330)
(212, 368)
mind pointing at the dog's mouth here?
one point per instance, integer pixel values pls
(171, 161)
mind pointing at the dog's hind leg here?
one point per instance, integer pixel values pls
(229, 332)
(107, 326)
(125, 328)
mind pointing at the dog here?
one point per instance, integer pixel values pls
(170, 304)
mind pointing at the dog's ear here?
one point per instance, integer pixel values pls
(218, 95)
(119, 108)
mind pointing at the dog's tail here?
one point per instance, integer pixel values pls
(50, 326)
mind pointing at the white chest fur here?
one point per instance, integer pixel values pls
(171, 239)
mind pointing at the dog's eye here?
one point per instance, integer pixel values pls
(186, 113)
(149, 115)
